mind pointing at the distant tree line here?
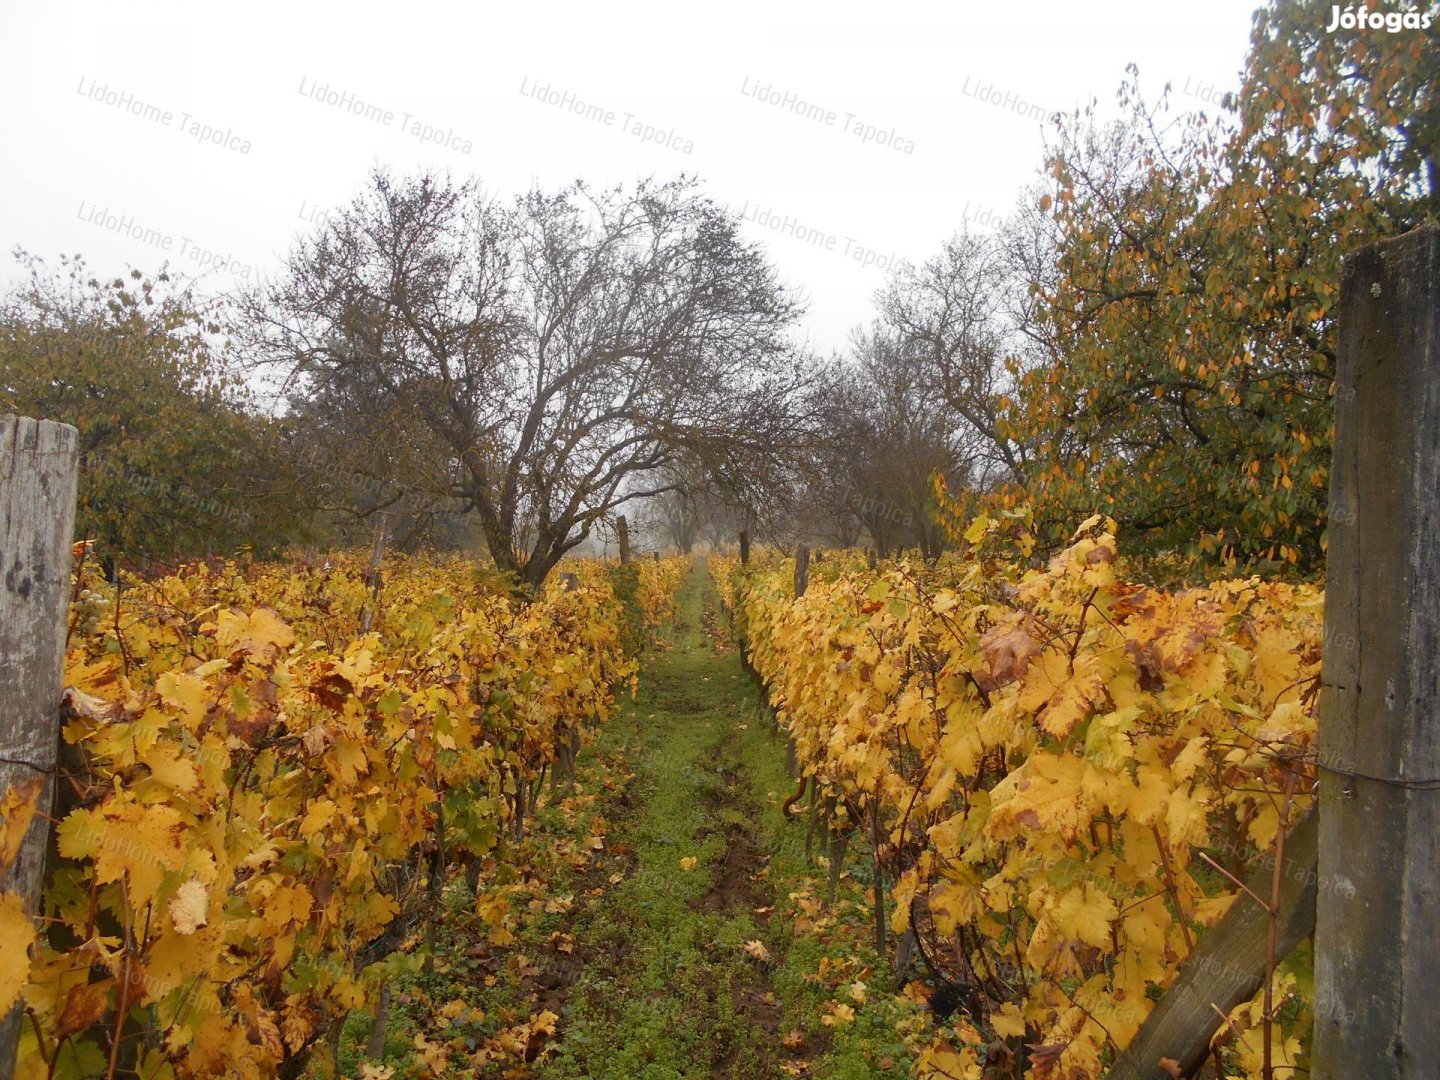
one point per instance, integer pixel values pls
(1151, 335)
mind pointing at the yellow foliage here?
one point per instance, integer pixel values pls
(1048, 750)
(265, 780)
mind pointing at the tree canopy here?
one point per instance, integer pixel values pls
(555, 354)
(173, 460)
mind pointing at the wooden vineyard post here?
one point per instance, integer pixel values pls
(1363, 866)
(802, 579)
(1377, 934)
(744, 548)
(39, 461)
(622, 532)
(373, 576)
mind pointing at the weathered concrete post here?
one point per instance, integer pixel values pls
(1377, 933)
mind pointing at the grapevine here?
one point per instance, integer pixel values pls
(1046, 755)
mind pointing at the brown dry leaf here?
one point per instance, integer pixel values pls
(316, 740)
(1008, 650)
(1043, 1058)
(1149, 665)
(83, 1006)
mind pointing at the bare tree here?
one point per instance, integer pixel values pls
(564, 349)
(951, 316)
(676, 515)
(889, 433)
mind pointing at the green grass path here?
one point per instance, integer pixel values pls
(669, 988)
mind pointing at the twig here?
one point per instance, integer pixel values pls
(1173, 890)
(1238, 883)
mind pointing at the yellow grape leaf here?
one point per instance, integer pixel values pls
(1146, 928)
(1263, 827)
(1008, 1021)
(1153, 790)
(320, 814)
(954, 903)
(1185, 820)
(83, 680)
(961, 747)
(288, 904)
(1085, 914)
(938, 1060)
(174, 960)
(140, 843)
(17, 934)
(1208, 911)
(350, 756)
(184, 691)
(936, 796)
(16, 810)
(432, 1054)
(348, 993)
(261, 634)
(688, 862)
(1072, 702)
(1275, 663)
(171, 769)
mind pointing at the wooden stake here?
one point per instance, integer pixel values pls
(39, 463)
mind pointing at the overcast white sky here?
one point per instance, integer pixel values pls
(78, 172)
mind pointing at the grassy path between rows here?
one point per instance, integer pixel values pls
(698, 972)
(669, 921)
